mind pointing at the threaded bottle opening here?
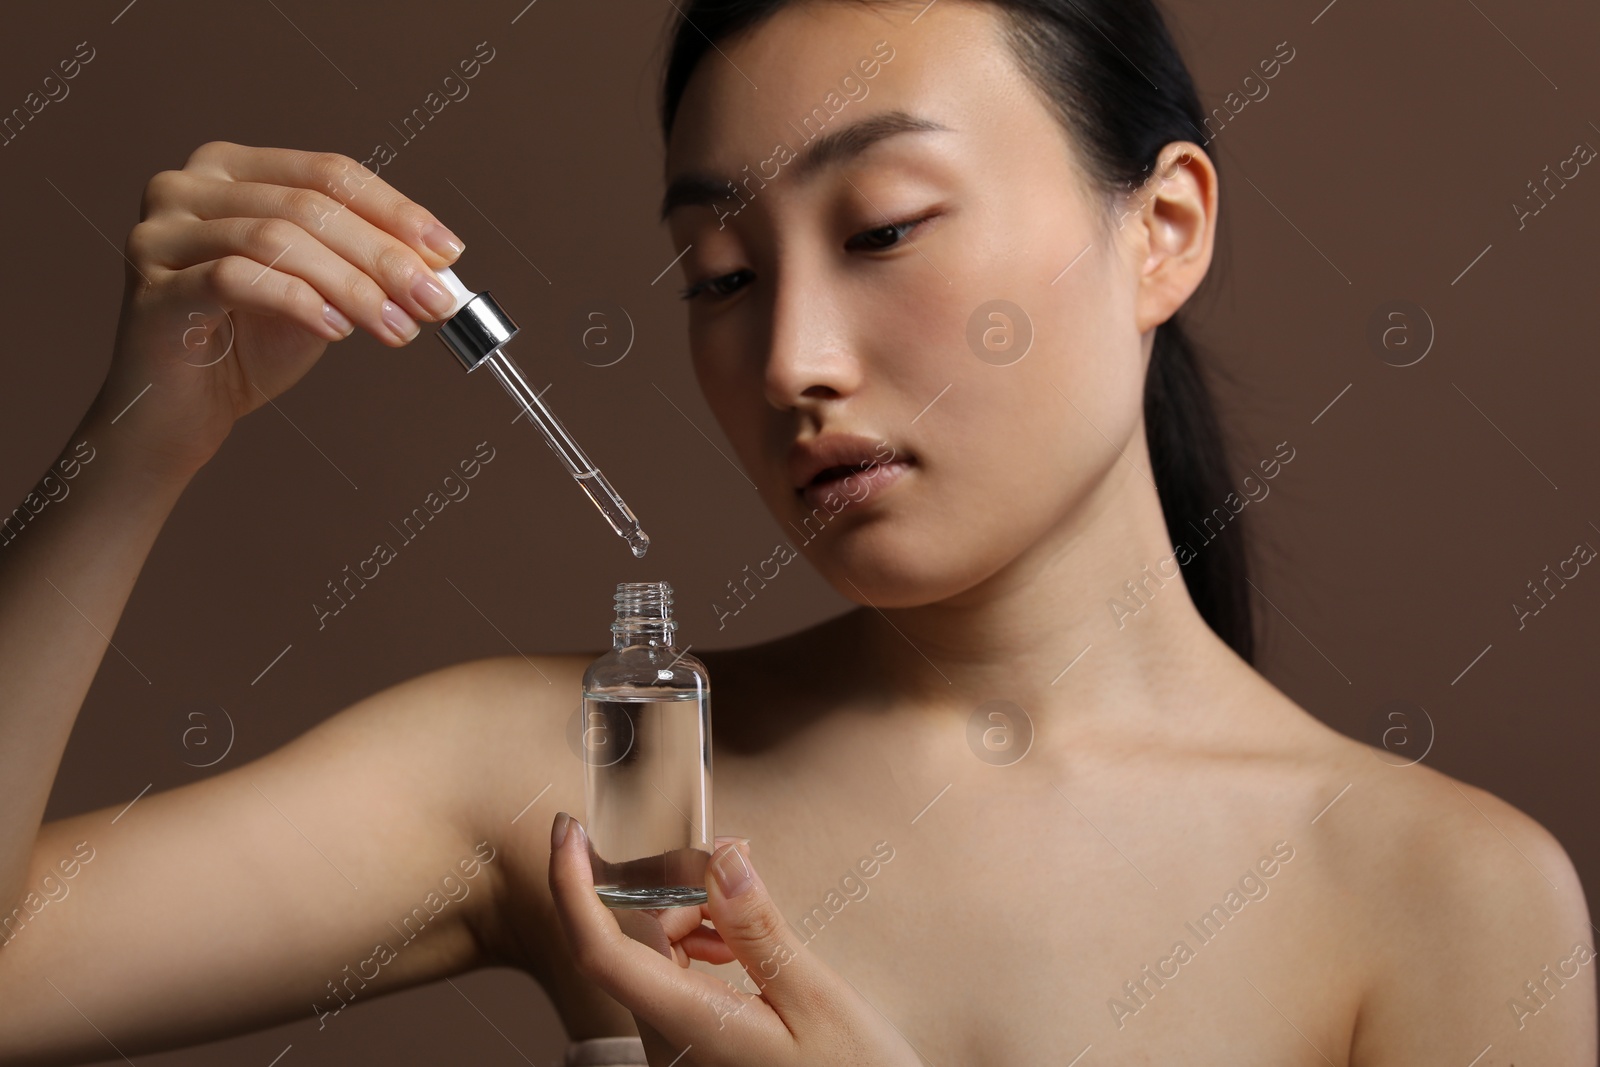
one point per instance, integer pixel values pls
(644, 608)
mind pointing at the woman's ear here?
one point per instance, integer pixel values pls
(1170, 224)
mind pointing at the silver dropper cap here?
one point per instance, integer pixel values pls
(478, 326)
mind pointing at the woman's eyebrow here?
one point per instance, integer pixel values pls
(830, 149)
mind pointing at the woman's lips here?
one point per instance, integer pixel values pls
(868, 484)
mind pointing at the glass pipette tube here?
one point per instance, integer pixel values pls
(586, 474)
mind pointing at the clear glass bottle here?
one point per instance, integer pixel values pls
(647, 759)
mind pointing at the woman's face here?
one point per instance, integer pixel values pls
(858, 295)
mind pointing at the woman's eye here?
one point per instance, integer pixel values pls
(883, 236)
(873, 240)
(715, 285)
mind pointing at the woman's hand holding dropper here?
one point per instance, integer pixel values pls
(291, 248)
(245, 264)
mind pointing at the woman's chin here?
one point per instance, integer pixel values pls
(878, 566)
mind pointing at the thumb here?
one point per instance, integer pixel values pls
(787, 975)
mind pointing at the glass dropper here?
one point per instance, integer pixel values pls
(477, 332)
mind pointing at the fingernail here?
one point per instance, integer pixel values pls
(733, 873)
(335, 318)
(403, 326)
(558, 830)
(442, 241)
(432, 296)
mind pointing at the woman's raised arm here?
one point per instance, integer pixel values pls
(242, 268)
(245, 264)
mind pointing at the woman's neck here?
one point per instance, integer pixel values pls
(1094, 615)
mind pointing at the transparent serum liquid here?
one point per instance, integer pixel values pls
(647, 785)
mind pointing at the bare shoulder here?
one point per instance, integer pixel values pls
(1468, 912)
(507, 719)
(1491, 901)
(474, 736)
(513, 766)
(474, 716)
(1482, 931)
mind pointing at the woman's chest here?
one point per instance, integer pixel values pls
(1144, 911)
(1009, 920)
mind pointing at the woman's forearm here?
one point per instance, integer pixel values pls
(70, 553)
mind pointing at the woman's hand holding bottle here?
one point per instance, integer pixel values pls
(244, 265)
(797, 1011)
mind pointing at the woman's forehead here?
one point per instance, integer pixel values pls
(814, 66)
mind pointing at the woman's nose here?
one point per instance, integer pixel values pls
(810, 351)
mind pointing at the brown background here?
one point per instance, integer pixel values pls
(1384, 160)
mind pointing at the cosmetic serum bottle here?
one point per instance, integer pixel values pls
(647, 759)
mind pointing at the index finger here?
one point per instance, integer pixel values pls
(355, 187)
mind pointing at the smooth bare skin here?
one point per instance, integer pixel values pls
(1021, 901)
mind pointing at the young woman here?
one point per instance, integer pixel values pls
(1179, 864)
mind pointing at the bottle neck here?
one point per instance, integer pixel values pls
(644, 616)
(647, 636)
